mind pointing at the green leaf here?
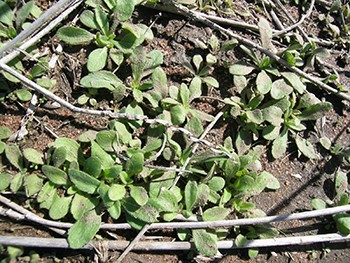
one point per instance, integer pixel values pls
(14, 156)
(215, 213)
(101, 79)
(17, 182)
(82, 204)
(24, 13)
(74, 36)
(2, 147)
(123, 134)
(211, 81)
(205, 242)
(55, 175)
(343, 223)
(135, 164)
(243, 141)
(165, 202)
(318, 204)
(305, 147)
(240, 240)
(115, 210)
(295, 124)
(33, 156)
(59, 156)
(194, 125)
(273, 115)
(87, 18)
(244, 183)
(184, 94)
(5, 132)
(241, 69)
(255, 116)
(97, 59)
(190, 194)
(116, 192)
(195, 88)
(71, 146)
(102, 20)
(271, 182)
(280, 89)
(253, 253)
(159, 81)
(295, 81)
(315, 111)
(6, 15)
(105, 159)
(326, 143)
(178, 114)
(93, 166)
(216, 183)
(125, 8)
(263, 82)
(33, 184)
(271, 132)
(341, 182)
(60, 207)
(46, 192)
(14, 253)
(5, 180)
(83, 231)
(279, 145)
(146, 213)
(23, 94)
(139, 194)
(83, 181)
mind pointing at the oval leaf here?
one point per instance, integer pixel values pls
(55, 175)
(215, 213)
(97, 59)
(263, 82)
(74, 36)
(280, 89)
(60, 207)
(84, 229)
(305, 147)
(83, 181)
(33, 156)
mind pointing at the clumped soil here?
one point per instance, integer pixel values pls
(301, 179)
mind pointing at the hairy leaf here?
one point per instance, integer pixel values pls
(263, 82)
(215, 213)
(205, 242)
(60, 207)
(97, 59)
(74, 36)
(84, 229)
(83, 181)
(305, 147)
(33, 156)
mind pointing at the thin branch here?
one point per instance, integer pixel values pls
(195, 146)
(175, 225)
(217, 19)
(40, 34)
(45, 18)
(111, 114)
(165, 246)
(155, 157)
(185, 11)
(302, 19)
(133, 243)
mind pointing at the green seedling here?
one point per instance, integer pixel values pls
(202, 68)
